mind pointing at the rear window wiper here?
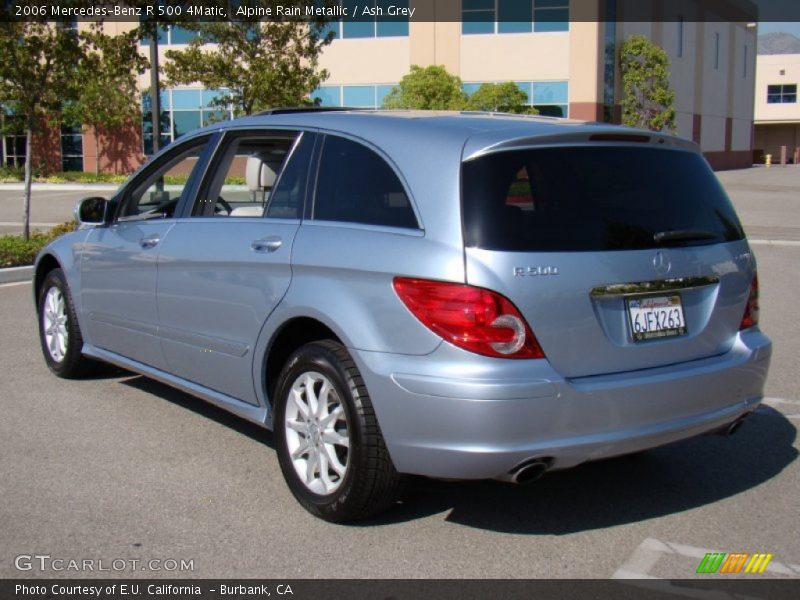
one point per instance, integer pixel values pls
(684, 235)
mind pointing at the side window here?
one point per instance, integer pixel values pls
(286, 201)
(243, 178)
(160, 192)
(356, 185)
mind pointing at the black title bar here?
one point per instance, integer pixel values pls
(178, 11)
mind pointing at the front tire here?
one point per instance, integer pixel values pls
(59, 333)
(330, 447)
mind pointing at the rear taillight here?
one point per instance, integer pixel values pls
(750, 318)
(469, 317)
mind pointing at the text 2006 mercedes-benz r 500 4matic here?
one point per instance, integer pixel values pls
(459, 296)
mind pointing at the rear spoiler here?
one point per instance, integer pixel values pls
(491, 142)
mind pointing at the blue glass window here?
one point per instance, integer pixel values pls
(162, 36)
(514, 16)
(329, 95)
(210, 95)
(214, 116)
(381, 91)
(549, 97)
(184, 121)
(186, 100)
(782, 94)
(550, 15)
(526, 87)
(391, 26)
(477, 5)
(356, 29)
(470, 88)
(550, 92)
(179, 35)
(361, 96)
(477, 16)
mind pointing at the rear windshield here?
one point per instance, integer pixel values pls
(594, 198)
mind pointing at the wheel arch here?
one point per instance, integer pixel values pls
(291, 335)
(46, 263)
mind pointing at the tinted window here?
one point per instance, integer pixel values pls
(593, 198)
(243, 176)
(157, 196)
(356, 185)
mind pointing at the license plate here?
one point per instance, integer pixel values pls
(653, 317)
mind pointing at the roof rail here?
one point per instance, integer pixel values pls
(287, 110)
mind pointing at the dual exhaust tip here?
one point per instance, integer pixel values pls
(532, 469)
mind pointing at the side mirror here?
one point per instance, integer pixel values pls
(91, 211)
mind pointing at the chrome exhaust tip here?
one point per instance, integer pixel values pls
(530, 470)
(733, 427)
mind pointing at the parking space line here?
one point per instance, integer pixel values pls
(651, 550)
(771, 401)
(774, 242)
(14, 284)
(775, 403)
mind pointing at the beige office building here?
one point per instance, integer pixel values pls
(562, 53)
(777, 113)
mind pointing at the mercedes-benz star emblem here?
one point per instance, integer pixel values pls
(661, 263)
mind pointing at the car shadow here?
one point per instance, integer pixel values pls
(597, 495)
(200, 407)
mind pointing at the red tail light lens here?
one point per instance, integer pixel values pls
(469, 317)
(750, 318)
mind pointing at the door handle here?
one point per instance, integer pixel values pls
(150, 241)
(267, 244)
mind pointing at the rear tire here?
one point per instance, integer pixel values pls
(330, 447)
(59, 334)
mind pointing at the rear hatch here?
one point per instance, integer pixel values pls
(621, 256)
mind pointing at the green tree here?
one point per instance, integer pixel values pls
(107, 99)
(500, 97)
(429, 88)
(37, 76)
(648, 101)
(261, 64)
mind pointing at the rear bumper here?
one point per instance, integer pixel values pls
(453, 414)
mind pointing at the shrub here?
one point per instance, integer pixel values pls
(16, 175)
(16, 252)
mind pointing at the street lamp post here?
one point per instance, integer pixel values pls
(155, 97)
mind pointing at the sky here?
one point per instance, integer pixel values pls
(792, 27)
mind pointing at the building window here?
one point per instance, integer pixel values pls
(782, 94)
(171, 35)
(355, 96)
(550, 98)
(71, 148)
(381, 25)
(514, 16)
(182, 110)
(716, 50)
(14, 142)
(680, 37)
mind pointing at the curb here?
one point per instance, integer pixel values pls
(15, 274)
(62, 187)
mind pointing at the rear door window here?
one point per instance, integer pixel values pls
(355, 185)
(593, 198)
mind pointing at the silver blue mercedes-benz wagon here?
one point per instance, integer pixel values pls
(451, 295)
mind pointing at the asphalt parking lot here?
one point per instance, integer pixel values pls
(120, 467)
